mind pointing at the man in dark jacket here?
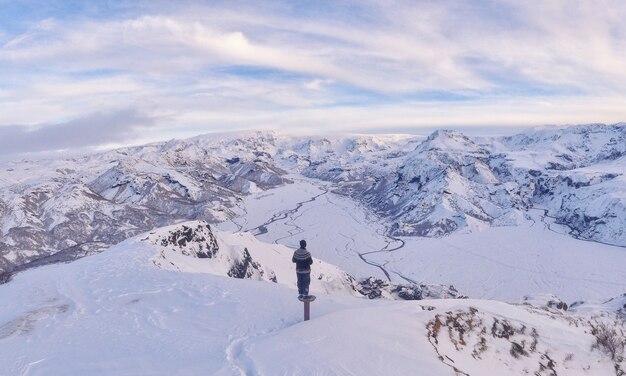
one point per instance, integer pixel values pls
(303, 261)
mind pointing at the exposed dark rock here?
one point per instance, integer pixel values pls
(502, 329)
(577, 304)
(408, 292)
(375, 288)
(565, 157)
(201, 236)
(5, 277)
(555, 166)
(517, 350)
(558, 305)
(547, 301)
(372, 287)
(245, 267)
(576, 184)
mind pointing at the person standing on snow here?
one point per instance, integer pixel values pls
(303, 261)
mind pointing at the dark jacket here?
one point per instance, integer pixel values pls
(303, 260)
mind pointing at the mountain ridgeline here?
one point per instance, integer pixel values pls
(59, 210)
(450, 182)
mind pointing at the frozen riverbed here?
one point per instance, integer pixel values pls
(501, 263)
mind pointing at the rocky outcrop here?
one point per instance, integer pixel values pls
(545, 301)
(246, 268)
(374, 288)
(201, 251)
(195, 241)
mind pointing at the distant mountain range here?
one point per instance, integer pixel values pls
(59, 210)
(450, 182)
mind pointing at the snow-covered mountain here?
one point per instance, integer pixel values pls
(169, 302)
(451, 182)
(59, 210)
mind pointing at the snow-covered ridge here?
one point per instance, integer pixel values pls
(118, 312)
(195, 247)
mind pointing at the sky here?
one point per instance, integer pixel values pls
(94, 74)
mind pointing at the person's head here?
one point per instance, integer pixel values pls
(302, 243)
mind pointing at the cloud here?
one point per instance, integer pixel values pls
(410, 118)
(369, 64)
(92, 130)
(408, 47)
(318, 84)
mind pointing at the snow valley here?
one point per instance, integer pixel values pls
(182, 255)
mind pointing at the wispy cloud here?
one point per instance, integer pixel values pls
(325, 65)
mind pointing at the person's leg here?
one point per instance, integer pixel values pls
(306, 282)
(300, 283)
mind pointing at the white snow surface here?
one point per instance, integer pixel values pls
(503, 263)
(117, 313)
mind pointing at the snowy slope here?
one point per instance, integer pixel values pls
(119, 313)
(467, 337)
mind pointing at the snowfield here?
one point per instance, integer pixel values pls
(502, 263)
(119, 313)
